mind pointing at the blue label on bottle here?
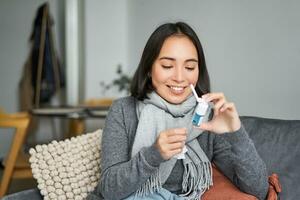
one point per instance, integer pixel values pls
(196, 120)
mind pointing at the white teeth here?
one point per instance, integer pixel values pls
(176, 88)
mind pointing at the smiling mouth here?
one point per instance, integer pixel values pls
(177, 89)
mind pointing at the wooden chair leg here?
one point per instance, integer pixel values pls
(11, 160)
(76, 127)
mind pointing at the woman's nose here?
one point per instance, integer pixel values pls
(178, 75)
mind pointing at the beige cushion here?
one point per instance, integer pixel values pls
(68, 169)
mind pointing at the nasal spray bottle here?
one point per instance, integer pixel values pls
(200, 110)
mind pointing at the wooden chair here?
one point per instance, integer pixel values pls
(16, 163)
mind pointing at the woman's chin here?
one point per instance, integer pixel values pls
(176, 99)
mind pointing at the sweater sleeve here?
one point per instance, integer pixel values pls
(122, 175)
(236, 156)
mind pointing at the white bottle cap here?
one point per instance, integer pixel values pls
(202, 104)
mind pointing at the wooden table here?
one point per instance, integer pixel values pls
(76, 115)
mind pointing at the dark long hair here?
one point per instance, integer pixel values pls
(141, 82)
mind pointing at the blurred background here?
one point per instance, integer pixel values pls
(252, 51)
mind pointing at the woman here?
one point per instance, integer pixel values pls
(146, 134)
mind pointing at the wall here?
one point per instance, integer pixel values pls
(16, 18)
(106, 44)
(251, 47)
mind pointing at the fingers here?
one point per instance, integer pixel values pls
(171, 142)
(167, 148)
(227, 106)
(177, 138)
(175, 146)
(177, 135)
(225, 119)
(219, 101)
(176, 131)
(213, 96)
(175, 152)
(206, 126)
(218, 105)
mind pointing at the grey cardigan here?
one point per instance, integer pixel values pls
(233, 153)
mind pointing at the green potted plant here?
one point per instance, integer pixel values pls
(122, 82)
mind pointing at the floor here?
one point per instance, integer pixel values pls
(18, 185)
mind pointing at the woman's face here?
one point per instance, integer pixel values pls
(175, 68)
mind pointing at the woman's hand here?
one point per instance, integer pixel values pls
(225, 119)
(171, 142)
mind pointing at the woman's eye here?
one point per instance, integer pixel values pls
(167, 66)
(190, 68)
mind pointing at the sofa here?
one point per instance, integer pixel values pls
(277, 142)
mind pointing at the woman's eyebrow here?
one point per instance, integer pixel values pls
(173, 59)
(191, 60)
(167, 58)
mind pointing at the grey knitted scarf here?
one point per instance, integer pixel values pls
(155, 115)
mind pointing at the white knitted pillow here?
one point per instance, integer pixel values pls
(68, 169)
